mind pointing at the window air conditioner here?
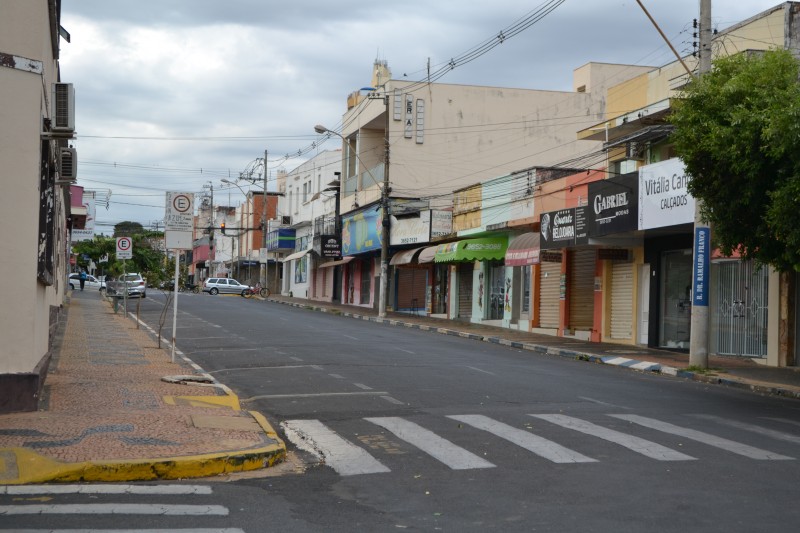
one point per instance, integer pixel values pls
(63, 108)
(68, 164)
(286, 220)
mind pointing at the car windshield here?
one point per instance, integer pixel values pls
(131, 277)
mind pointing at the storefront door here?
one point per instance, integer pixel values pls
(676, 299)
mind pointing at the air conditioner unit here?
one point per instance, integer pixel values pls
(68, 164)
(286, 220)
(62, 108)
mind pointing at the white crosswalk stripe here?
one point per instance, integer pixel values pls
(779, 435)
(705, 438)
(96, 511)
(638, 445)
(445, 451)
(534, 443)
(345, 458)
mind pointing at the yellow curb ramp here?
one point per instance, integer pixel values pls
(19, 466)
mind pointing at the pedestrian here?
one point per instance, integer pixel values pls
(82, 277)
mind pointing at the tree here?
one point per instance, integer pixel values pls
(737, 130)
(128, 229)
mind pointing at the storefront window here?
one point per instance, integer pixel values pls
(366, 281)
(676, 299)
(439, 304)
(526, 289)
(497, 290)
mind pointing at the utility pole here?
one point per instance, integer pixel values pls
(264, 225)
(701, 279)
(385, 190)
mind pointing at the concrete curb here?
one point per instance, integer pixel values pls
(621, 362)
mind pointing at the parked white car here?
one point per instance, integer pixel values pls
(90, 283)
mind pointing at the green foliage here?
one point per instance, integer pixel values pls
(128, 229)
(737, 129)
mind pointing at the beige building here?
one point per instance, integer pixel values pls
(36, 171)
(442, 137)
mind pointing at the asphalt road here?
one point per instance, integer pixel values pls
(400, 429)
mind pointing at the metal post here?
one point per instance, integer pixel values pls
(701, 279)
(384, 287)
(175, 303)
(264, 221)
(212, 252)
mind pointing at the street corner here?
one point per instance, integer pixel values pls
(20, 466)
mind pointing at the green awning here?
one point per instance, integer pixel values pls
(485, 249)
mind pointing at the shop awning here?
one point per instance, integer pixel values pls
(346, 259)
(427, 254)
(485, 249)
(524, 250)
(296, 255)
(404, 257)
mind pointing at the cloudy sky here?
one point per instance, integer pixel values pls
(175, 94)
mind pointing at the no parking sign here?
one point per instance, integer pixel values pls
(124, 248)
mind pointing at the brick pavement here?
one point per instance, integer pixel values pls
(107, 415)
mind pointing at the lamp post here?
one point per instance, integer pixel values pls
(384, 283)
(211, 254)
(247, 175)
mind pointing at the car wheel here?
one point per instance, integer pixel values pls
(71, 287)
(214, 291)
(144, 295)
(245, 293)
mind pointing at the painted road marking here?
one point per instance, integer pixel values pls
(344, 457)
(525, 439)
(105, 489)
(445, 451)
(479, 370)
(636, 444)
(173, 530)
(115, 509)
(312, 395)
(705, 438)
(761, 430)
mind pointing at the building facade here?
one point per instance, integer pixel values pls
(36, 124)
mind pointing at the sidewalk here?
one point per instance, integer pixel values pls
(107, 414)
(738, 372)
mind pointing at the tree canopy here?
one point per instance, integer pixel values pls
(737, 130)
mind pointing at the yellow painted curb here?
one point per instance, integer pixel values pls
(229, 400)
(19, 466)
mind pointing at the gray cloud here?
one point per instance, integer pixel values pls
(270, 71)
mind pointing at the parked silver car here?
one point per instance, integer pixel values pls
(224, 286)
(134, 283)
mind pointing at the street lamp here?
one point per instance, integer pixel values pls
(247, 175)
(384, 205)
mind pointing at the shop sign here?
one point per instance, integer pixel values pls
(331, 246)
(613, 205)
(664, 198)
(563, 228)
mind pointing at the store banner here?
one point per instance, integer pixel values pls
(664, 198)
(614, 205)
(362, 231)
(563, 228)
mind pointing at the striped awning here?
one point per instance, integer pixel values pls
(524, 250)
(404, 257)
